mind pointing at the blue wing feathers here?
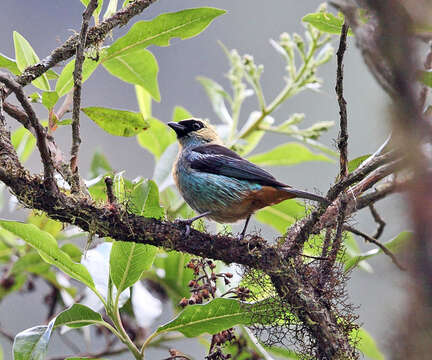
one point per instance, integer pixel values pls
(217, 159)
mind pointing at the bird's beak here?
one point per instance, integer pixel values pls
(178, 128)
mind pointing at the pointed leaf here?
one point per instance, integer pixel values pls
(32, 344)
(395, 245)
(24, 143)
(287, 154)
(366, 344)
(145, 200)
(162, 172)
(77, 316)
(138, 67)
(144, 101)
(183, 24)
(213, 317)
(10, 64)
(49, 99)
(128, 261)
(180, 113)
(282, 215)
(177, 275)
(117, 122)
(111, 9)
(48, 249)
(99, 165)
(216, 94)
(25, 56)
(355, 163)
(65, 81)
(156, 138)
(326, 22)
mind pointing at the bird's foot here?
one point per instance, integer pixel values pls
(187, 223)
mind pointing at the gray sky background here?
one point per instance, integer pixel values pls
(247, 26)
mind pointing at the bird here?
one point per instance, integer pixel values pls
(218, 183)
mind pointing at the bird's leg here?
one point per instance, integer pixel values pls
(243, 233)
(188, 222)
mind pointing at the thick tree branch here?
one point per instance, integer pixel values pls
(95, 36)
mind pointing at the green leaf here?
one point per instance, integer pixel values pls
(326, 22)
(287, 154)
(282, 215)
(49, 99)
(213, 317)
(65, 81)
(73, 251)
(128, 261)
(253, 139)
(25, 56)
(283, 352)
(117, 122)
(138, 67)
(180, 113)
(395, 245)
(24, 143)
(163, 168)
(51, 74)
(48, 249)
(99, 165)
(111, 9)
(216, 94)
(145, 200)
(183, 24)
(10, 64)
(32, 344)
(77, 316)
(156, 138)
(355, 163)
(177, 275)
(30, 262)
(144, 101)
(366, 344)
(43, 222)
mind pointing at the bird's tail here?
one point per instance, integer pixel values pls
(306, 195)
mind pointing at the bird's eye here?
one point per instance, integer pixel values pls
(197, 126)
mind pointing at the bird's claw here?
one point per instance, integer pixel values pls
(187, 223)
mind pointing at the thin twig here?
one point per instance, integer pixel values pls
(379, 220)
(376, 176)
(77, 77)
(337, 241)
(343, 134)
(6, 335)
(110, 192)
(41, 137)
(377, 243)
(65, 107)
(385, 189)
